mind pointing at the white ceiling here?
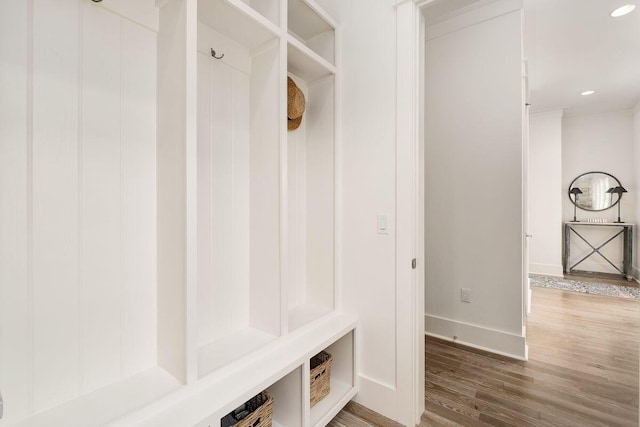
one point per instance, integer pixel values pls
(573, 46)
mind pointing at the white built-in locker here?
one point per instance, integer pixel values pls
(158, 223)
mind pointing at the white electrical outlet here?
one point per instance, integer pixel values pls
(465, 295)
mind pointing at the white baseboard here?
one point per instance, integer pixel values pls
(546, 269)
(635, 271)
(377, 396)
(494, 341)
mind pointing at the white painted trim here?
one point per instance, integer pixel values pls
(191, 196)
(375, 394)
(475, 336)
(635, 271)
(396, 3)
(161, 3)
(553, 270)
(472, 5)
(462, 20)
(547, 114)
(326, 418)
(409, 297)
(337, 167)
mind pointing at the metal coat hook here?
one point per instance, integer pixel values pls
(213, 53)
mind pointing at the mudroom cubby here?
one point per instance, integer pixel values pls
(311, 193)
(93, 319)
(238, 94)
(288, 405)
(250, 23)
(342, 380)
(171, 247)
(312, 27)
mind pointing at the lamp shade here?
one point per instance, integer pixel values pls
(575, 190)
(619, 190)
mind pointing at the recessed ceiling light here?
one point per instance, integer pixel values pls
(623, 10)
(588, 92)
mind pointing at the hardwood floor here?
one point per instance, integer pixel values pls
(582, 371)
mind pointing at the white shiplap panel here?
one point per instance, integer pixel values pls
(55, 202)
(222, 198)
(15, 375)
(142, 12)
(205, 278)
(320, 171)
(138, 192)
(297, 158)
(240, 198)
(100, 199)
(264, 260)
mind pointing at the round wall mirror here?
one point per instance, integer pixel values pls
(589, 191)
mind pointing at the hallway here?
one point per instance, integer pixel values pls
(582, 370)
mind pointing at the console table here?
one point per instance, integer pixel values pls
(624, 229)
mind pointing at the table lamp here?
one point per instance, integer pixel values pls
(617, 190)
(575, 191)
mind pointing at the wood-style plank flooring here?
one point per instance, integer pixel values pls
(582, 371)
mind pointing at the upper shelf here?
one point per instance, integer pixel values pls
(238, 20)
(312, 27)
(305, 63)
(270, 9)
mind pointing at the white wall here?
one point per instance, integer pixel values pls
(368, 171)
(636, 183)
(601, 142)
(545, 193)
(473, 172)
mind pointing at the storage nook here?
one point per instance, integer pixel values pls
(311, 167)
(238, 93)
(171, 247)
(342, 378)
(92, 307)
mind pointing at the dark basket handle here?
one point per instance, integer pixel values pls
(320, 374)
(257, 422)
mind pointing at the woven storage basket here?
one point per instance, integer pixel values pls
(260, 417)
(320, 376)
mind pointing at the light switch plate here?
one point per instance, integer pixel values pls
(383, 223)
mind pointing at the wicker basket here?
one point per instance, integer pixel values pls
(256, 412)
(320, 376)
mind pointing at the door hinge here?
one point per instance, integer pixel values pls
(414, 263)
